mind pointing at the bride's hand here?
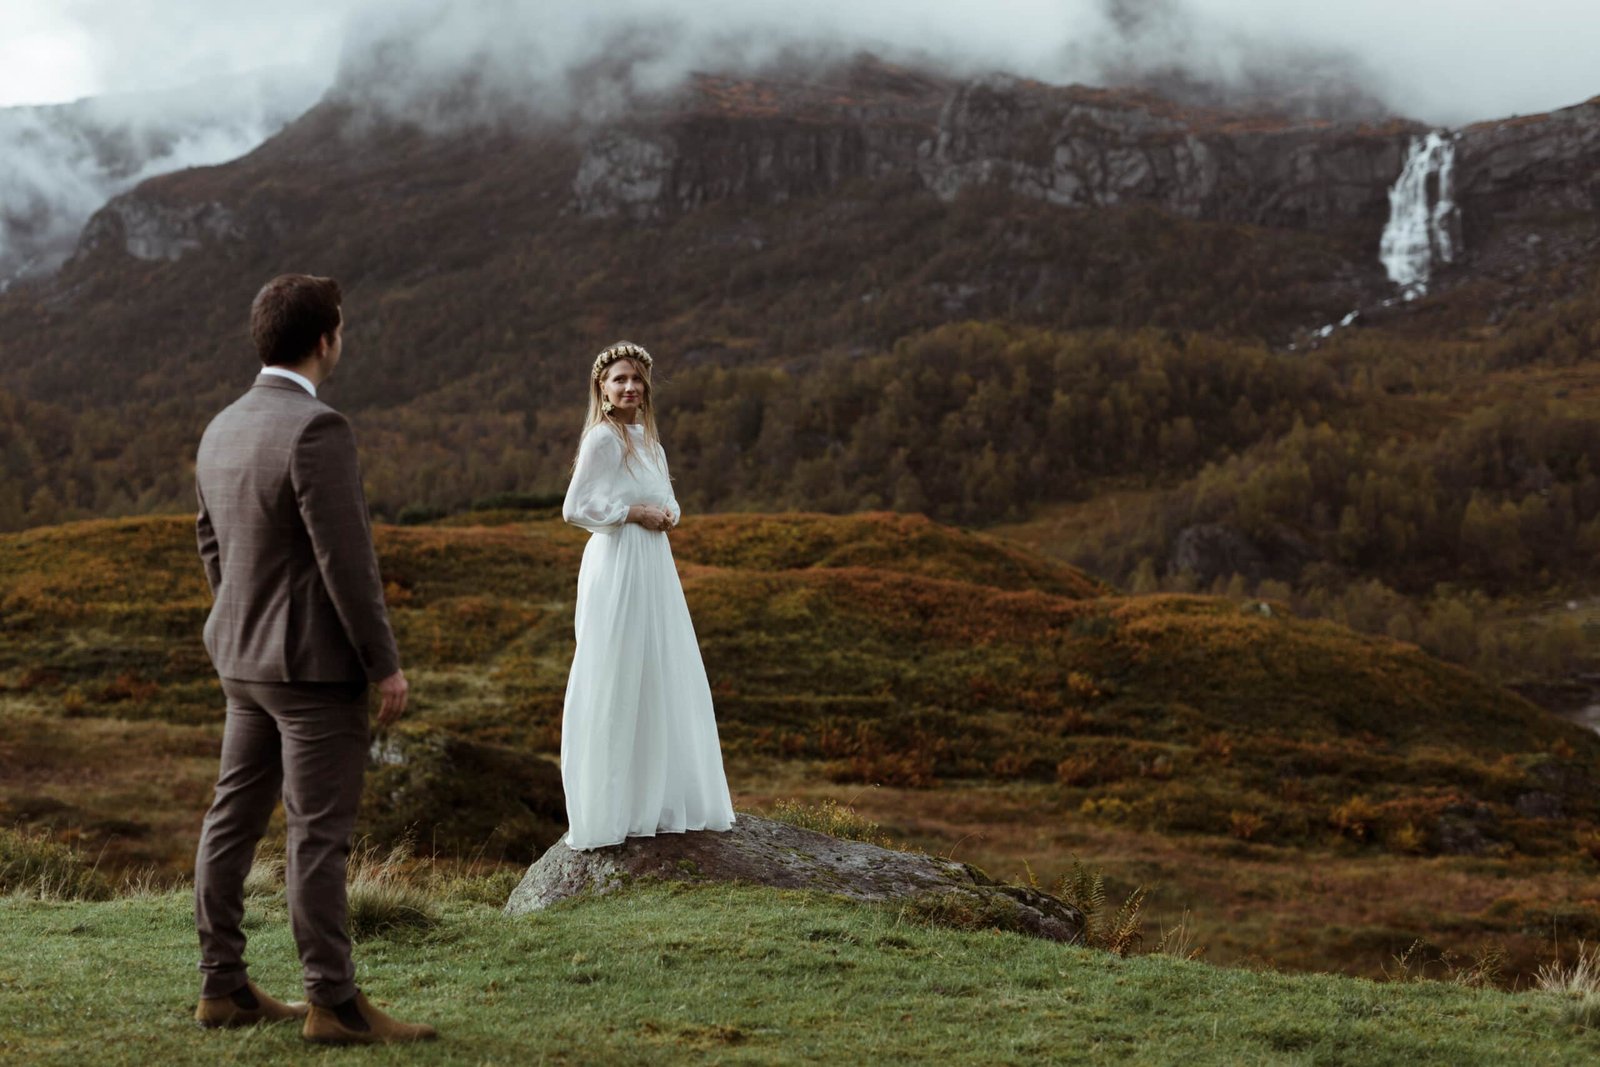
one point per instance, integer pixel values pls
(650, 517)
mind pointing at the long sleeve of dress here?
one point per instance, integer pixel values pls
(674, 512)
(592, 499)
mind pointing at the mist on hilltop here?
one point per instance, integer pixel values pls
(59, 163)
(444, 62)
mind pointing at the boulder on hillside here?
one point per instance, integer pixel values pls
(765, 852)
(454, 795)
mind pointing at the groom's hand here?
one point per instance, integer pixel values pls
(393, 690)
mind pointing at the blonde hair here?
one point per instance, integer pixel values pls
(641, 360)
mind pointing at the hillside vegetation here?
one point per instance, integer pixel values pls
(953, 684)
(1428, 473)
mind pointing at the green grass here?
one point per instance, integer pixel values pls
(724, 974)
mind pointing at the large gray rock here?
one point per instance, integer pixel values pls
(463, 797)
(152, 229)
(764, 852)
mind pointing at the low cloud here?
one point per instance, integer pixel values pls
(61, 163)
(1440, 61)
(439, 61)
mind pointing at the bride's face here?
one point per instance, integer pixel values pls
(625, 387)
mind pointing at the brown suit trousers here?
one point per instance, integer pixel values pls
(308, 742)
(297, 630)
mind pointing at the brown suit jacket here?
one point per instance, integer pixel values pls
(287, 544)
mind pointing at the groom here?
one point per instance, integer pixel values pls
(297, 631)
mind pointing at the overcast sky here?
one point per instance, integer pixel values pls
(1444, 61)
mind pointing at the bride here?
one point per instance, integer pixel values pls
(639, 750)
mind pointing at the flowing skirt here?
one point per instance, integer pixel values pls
(639, 748)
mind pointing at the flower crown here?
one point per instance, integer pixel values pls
(620, 350)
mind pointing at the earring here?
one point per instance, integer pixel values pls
(607, 407)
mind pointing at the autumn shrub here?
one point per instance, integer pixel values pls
(128, 686)
(1245, 825)
(418, 514)
(907, 769)
(831, 818)
(33, 865)
(1111, 809)
(837, 739)
(1159, 767)
(1022, 763)
(1217, 747)
(1407, 838)
(516, 501)
(464, 629)
(1078, 770)
(1202, 807)
(1356, 818)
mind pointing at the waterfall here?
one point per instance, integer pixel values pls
(1422, 220)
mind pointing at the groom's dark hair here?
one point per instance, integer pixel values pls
(290, 314)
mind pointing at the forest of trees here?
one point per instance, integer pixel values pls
(1504, 496)
(978, 423)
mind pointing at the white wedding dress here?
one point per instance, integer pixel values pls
(639, 748)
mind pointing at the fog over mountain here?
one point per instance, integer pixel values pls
(59, 163)
(1441, 61)
(447, 61)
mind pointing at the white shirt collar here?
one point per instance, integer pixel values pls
(299, 379)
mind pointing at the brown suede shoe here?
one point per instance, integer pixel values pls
(324, 1027)
(213, 1012)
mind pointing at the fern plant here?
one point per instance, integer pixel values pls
(1118, 932)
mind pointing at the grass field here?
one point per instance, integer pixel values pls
(736, 975)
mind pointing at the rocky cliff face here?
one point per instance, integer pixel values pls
(1083, 148)
(1540, 163)
(768, 142)
(1072, 146)
(1529, 189)
(1523, 184)
(147, 228)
